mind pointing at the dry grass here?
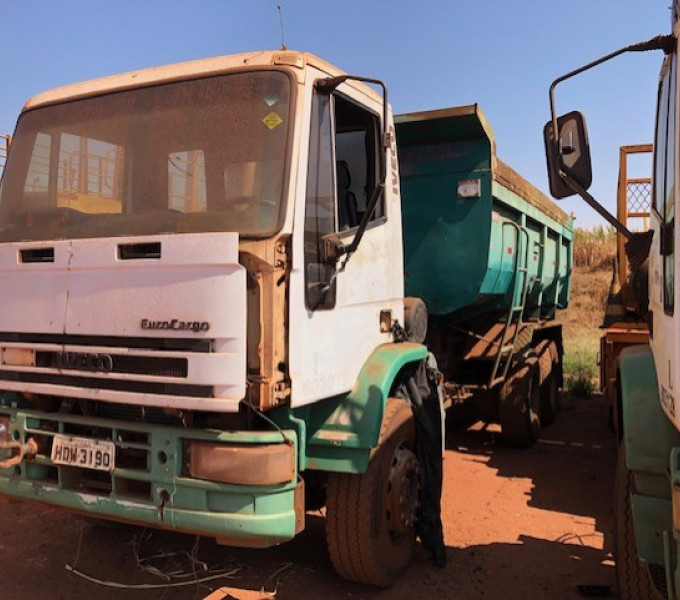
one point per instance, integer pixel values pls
(593, 254)
(594, 248)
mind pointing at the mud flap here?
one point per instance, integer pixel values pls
(424, 392)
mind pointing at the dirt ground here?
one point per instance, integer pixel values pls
(518, 524)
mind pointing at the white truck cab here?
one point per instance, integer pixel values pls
(647, 419)
(201, 282)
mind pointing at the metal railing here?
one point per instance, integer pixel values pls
(633, 201)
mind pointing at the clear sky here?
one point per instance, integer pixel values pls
(432, 54)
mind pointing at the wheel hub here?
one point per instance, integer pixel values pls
(403, 491)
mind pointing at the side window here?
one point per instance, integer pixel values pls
(660, 144)
(669, 204)
(356, 162)
(319, 207)
(669, 197)
(341, 177)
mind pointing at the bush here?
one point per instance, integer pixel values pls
(579, 379)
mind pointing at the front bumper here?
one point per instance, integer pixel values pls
(150, 485)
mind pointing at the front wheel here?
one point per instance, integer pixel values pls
(634, 579)
(370, 518)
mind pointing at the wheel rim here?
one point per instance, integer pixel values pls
(402, 492)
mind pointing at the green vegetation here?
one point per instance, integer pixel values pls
(580, 374)
(594, 250)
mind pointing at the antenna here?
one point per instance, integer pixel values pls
(283, 38)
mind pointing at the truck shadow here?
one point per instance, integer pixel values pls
(571, 468)
(528, 568)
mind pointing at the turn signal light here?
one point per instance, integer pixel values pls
(242, 464)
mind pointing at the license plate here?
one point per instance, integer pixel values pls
(83, 453)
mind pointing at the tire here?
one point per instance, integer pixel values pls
(549, 400)
(367, 542)
(550, 393)
(520, 405)
(610, 419)
(634, 579)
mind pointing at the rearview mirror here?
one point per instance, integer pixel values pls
(569, 156)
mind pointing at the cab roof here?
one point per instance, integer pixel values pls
(296, 61)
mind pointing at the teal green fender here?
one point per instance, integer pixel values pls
(339, 432)
(650, 440)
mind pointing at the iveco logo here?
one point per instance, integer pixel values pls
(83, 361)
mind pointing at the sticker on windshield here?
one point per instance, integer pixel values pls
(272, 120)
(271, 99)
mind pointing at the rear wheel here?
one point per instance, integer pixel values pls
(635, 580)
(520, 404)
(370, 518)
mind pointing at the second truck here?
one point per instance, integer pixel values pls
(643, 380)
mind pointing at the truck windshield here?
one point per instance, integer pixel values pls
(192, 156)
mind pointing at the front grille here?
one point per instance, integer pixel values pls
(112, 357)
(168, 344)
(129, 480)
(142, 387)
(132, 365)
(133, 412)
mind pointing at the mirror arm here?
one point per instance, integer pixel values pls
(370, 207)
(660, 42)
(333, 248)
(667, 43)
(603, 212)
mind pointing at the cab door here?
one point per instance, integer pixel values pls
(335, 309)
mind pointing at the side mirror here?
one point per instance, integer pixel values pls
(568, 155)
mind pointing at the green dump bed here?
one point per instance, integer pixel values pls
(463, 248)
